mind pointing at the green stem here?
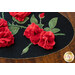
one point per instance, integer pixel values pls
(40, 20)
(3, 15)
(59, 34)
(30, 44)
(18, 26)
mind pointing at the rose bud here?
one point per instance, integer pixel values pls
(42, 15)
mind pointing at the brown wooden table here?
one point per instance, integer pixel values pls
(56, 57)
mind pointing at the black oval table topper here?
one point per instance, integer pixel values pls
(20, 41)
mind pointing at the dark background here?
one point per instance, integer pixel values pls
(21, 42)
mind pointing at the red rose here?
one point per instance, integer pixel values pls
(47, 40)
(3, 23)
(33, 32)
(42, 15)
(20, 16)
(6, 37)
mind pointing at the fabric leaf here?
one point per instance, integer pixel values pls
(0, 17)
(53, 22)
(33, 19)
(55, 30)
(59, 34)
(14, 30)
(22, 22)
(25, 50)
(9, 24)
(40, 25)
(47, 29)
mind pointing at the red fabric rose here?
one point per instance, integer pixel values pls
(42, 15)
(47, 40)
(3, 23)
(20, 16)
(33, 32)
(6, 37)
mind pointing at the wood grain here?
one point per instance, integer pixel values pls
(56, 57)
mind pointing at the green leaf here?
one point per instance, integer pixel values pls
(9, 24)
(22, 22)
(59, 34)
(55, 30)
(40, 25)
(14, 30)
(33, 19)
(0, 18)
(53, 22)
(25, 50)
(47, 29)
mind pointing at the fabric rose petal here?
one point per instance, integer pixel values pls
(47, 40)
(3, 23)
(6, 37)
(33, 32)
(20, 16)
(39, 36)
(42, 15)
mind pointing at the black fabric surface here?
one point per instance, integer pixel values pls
(21, 42)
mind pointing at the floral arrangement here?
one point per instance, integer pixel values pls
(35, 32)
